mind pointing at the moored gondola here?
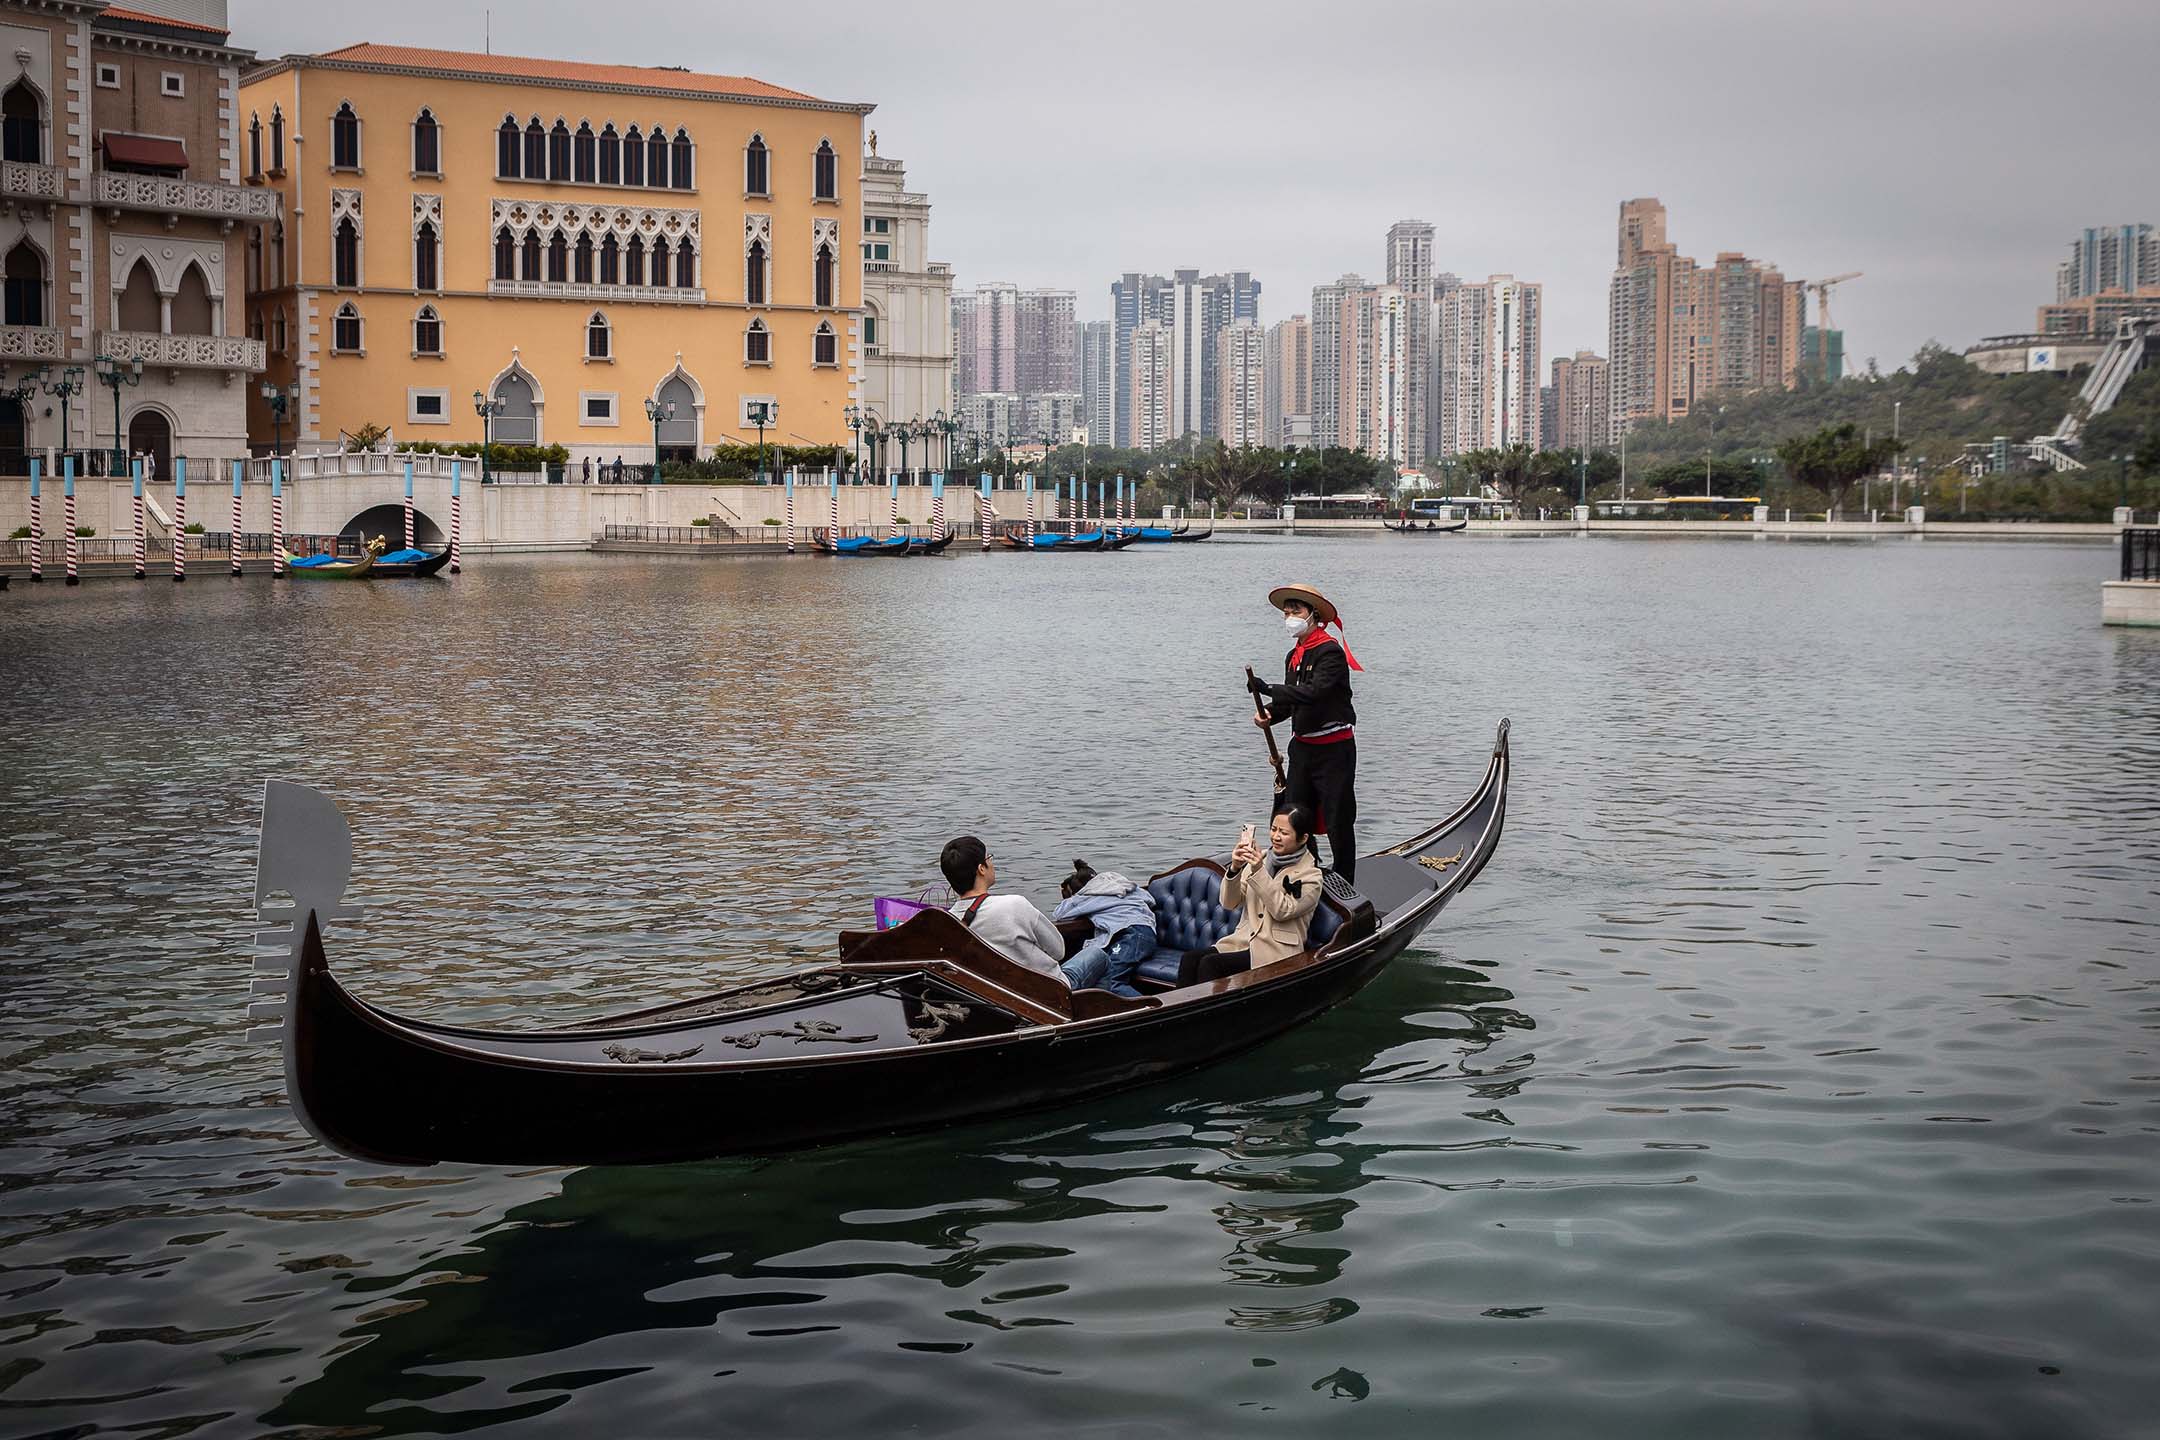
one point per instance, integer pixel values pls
(914, 1027)
(919, 546)
(1086, 540)
(1185, 534)
(858, 544)
(1430, 527)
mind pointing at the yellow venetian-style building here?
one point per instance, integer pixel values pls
(572, 240)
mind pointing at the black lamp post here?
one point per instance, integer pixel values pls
(67, 384)
(854, 416)
(941, 427)
(116, 372)
(762, 413)
(278, 400)
(873, 447)
(487, 409)
(656, 412)
(903, 432)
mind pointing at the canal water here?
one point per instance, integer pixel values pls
(1792, 1070)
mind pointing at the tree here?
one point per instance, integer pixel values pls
(1224, 474)
(1834, 459)
(1513, 471)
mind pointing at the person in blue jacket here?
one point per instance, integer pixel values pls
(1123, 915)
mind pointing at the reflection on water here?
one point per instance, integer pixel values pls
(1790, 1072)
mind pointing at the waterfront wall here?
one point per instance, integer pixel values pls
(496, 517)
(2130, 602)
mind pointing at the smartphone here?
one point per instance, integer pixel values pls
(1245, 834)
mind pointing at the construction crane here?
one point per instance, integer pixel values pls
(1822, 317)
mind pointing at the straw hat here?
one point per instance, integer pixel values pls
(1282, 595)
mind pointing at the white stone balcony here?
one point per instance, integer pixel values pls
(117, 191)
(32, 342)
(184, 352)
(19, 181)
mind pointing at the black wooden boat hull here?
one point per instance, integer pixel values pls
(930, 547)
(415, 569)
(634, 1090)
(897, 546)
(1428, 528)
(1187, 537)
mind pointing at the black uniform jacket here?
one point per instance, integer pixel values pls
(1316, 691)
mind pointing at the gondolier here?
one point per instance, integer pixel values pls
(1315, 698)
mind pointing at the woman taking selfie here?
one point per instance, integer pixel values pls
(1277, 886)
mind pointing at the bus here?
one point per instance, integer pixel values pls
(1459, 507)
(1680, 507)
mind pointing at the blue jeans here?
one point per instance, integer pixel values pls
(1109, 964)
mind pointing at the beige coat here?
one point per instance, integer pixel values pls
(1273, 925)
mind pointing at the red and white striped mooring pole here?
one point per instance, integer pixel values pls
(73, 542)
(277, 518)
(457, 526)
(238, 473)
(142, 539)
(179, 518)
(37, 525)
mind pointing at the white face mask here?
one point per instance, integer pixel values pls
(1297, 625)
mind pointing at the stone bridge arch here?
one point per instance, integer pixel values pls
(388, 521)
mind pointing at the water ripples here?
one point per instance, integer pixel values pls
(1792, 1071)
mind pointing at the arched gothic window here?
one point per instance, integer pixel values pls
(583, 147)
(345, 259)
(277, 140)
(558, 257)
(25, 285)
(610, 262)
(684, 176)
(345, 139)
(757, 344)
(634, 262)
(633, 157)
(345, 331)
(826, 172)
(825, 277)
(255, 144)
(426, 145)
(536, 150)
(529, 256)
(427, 257)
(581, 261)
(22, 124)
(656, 158)
(754, 274)
(506, 149)
(255, 259)
(824, 345)
(757, 168)
(277, 256)
(685, 265)
(559, 151)
(427, 332)
(596, 337)
(660, 262)
(505, 255)
(277, 330)
(610, 156)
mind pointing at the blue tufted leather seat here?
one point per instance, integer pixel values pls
(1188, 916)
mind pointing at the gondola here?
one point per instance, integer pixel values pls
(930, 547)
(912, 1028)
(1087, 540)
(389, 567)
(858, 544)
(1430, 527)
(310, 567)
(1184, 535)
(1120, 539)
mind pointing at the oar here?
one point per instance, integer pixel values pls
(1274, 754)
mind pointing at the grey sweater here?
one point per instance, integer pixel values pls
(1012, 926)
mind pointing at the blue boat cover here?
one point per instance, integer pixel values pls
(402, 557)
(1155, 532)
(310, 562)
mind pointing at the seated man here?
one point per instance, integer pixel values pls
(1277, 886)
(1009, 924)
(1123, 915)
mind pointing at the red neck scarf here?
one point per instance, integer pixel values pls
(1317, 636)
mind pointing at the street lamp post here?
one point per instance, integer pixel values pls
(656, 411)
(903, 431)
(762, 413)
(278, 401)
(115, 372)
(873, 444)
(854, 416)
(67, 384)
(487, 409)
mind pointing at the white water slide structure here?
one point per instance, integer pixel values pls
(2134, 346)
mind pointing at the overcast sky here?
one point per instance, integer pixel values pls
(1949, 149)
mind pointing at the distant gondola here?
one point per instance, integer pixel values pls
(914, 1027)
(1184, 535)
(930, 547)
(1087, 540)
(858, 544)
(1430, 527)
